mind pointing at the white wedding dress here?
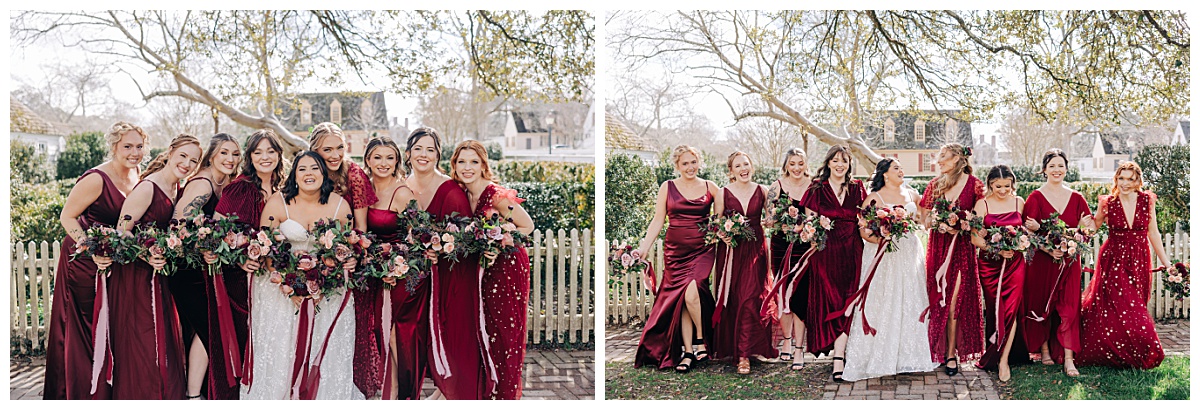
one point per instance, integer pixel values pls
(274, 322)
(894, 304)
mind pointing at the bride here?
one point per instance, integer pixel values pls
(897, 294)
(307, 196)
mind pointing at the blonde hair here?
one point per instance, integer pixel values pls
(342, 175)
(160, 161)
(729, 163)
(480, 150)
(795, 152)
(1127, 166)
(684, 149)
(113, 137)
(949, 177)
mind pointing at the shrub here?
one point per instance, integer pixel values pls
(544, 171)
(629, 195)
(1166, 170)
(28, 165)
(39, 206)
(1033, 173)
(83, 152)
(559, 205)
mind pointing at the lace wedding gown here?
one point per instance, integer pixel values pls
(893, 307)
(274, 327)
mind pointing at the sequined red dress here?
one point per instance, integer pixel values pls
(367, 330)
(738, 328)
(506, 304)
(147, 351)
(1058, 311)
(1116, 327)
(72, 315)
(969, 339)
(833, 271)
(686, 259)
(1003, 278)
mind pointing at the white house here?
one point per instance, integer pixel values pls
(28, 127)
(1183, 133)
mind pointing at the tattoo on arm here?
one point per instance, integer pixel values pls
(196, 205)
(773, 193)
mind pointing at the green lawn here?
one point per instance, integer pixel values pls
(1169, 381)
(715, 381)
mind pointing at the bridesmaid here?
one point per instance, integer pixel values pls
(683, 304)
(147, 350)
(505, 284)
(791, 185)
(462, 369)
(350, 181)
(245, 197)
(372, 366)
(195, 296)
(1001, 273)
(1117, 330)
(95, 200)
(955, 319)
(1052, 291)
(835, 269)
(738, 329)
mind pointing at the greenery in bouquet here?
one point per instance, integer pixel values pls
(338, 243)
(891, 223)
(1006, 238)
(108, 242)
(491, 234)
(416, 242)
(150, 242)
(732, 225)
(1054, 234)
(947, 216)
(1178, 280)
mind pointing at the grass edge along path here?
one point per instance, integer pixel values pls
(1169, 381)
(715, 381)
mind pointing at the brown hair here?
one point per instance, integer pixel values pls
(1127, 166)
(480, 151)
(729, 163)
(319, 133)
(113, 136)
(1054, 152)
(415, 136)
(824, 172)
(160, 161)
(214, 143)
(949, 177)
(383, 142)
(794, 152)
(248, 169)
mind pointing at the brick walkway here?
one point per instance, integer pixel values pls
(970, 384)
(549, 375)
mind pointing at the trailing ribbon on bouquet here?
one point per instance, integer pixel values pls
(997, 334)
(303, 346)
(648, 278)
(101, 353)
(233, 357)
(940, 277)
(723, 286)
(1050, 298)
(440, 365)
(248, 364)
(859, 298)
(312, 374)
(493, 377)
(160, 332)
(787, 281)
(386, 323)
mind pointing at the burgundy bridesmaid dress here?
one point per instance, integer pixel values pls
(969, 339)
(148, 356)
(244, 199)
(686, 259)
(834, 270)
(1058, 311)
(798, 303)
(72, 314)
(1009, 283)
(368, 332)
(461, 366)
(1117, 330)
(738, 328)
(409, 314)
(506, 303)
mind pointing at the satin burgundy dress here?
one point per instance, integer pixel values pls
(969, 315)
(246, 200)
(834, 270)
(148, 355)
(1002, 283)
(798, 303)
(506, 304)
(409, 315)
(368, 332)
(686, 259)
(72, 314)
(1045, 313)
(738, 328)
(462, 368)
(1117, 330)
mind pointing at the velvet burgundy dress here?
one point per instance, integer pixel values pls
(1117, 330)
(969, 338)
(148, 355)
(461, 366)
(506, 304)
(686, 259)
(1002, 282)
(73, 313)
(413, 334)
(798, 303)
(738, 328)
(368, 332)
(834, 270)
(1053, 290)
(246, 200)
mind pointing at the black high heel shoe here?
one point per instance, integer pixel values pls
(787, 356)
(950, 371)
(685, 367)
(837, 376)
(700, 349)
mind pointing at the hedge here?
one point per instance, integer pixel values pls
(559, 205)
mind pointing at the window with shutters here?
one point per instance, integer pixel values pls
(305, 113)
(919, 130)
(928, 162)
(335, 112)
(889, 130)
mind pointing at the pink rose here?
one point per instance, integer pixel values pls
(900, 213)
(230, 239)
(329, 262)
(306, 263)
(254, 251)
(174, 242)
(365, 242)
(879, 213)
(341, 252)
(204, 231)
(386, 247)
(313, 288)
(826, 223)
(952, 219)
(728, 224)
(240, 240)
(793, 212)
(327, 239)
(996, 237)
(263, 238)
(447, 238)
(626, 260)
(448, 248)
(452, 228)
(508, 240)
(352, 237)
(495, 234)
(155, 250)
(806, 236)
(435, 240)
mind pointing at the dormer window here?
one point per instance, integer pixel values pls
(951, 130)
(335, 112)
(889, 130)
(919, 130)
(305, 113)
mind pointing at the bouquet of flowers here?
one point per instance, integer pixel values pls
(1006, 238)
(491, 234)
(887, 223)
(1178, 280)
(223, 237)
(624, 265)
(337, 243)
(1054, 234)
(731, 224)
(786, 219)
(107, 242)
(276, 256)
(947, 216)
(150, 242)
(383, 261)
(420, 237)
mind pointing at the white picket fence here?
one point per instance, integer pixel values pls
(629, 301)
(561, 309)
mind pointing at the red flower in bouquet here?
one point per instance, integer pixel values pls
(732, 225)
(1053, 234)
(947, 217)
(889, 223)
(1006, 238)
